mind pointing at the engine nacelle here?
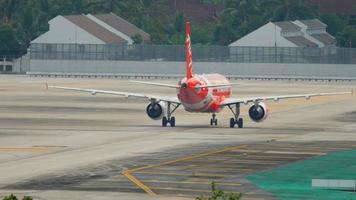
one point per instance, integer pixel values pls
(258, 113)
(156, 110)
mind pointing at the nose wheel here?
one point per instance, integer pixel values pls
(236, 120)
(213, 120)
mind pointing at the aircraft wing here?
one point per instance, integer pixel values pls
(119, 93)
(231, 101)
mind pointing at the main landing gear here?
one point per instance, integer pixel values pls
(236, 120)
(168, 118)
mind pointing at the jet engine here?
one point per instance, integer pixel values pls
(155, 110)
(258, 112)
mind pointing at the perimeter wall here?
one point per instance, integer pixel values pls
(178, 68)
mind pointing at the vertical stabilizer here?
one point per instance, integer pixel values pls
(188, 52)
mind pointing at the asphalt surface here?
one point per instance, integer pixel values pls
(59, 144)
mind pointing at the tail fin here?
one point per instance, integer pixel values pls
(188, 52)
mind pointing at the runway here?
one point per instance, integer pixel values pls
(57, 144)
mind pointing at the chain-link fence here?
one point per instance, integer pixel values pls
(201, 53)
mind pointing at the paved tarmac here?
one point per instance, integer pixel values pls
(59, 144)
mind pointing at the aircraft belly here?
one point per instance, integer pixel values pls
(201, 106)
(208, 105)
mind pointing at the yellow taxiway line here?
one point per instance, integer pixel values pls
(188, 174)
(139, 183)
(128, 173)
(193, 182)
(23, 149)
(186, 158)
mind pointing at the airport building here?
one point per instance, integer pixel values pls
(91, 29)
(299, 33)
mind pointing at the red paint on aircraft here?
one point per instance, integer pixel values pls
(193, 96)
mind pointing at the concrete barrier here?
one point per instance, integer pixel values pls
(152, 69)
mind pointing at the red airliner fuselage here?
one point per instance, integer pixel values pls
(203, 99)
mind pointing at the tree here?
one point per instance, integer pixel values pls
(179, 22)
(202, 34)
(9, 44)
(238, 18)
(284, 10)
(137, 39)
(347, 37)
(335, 23)
(219, 194)
(106, 6)
(13, 197)
(8, 8)
(341, 28)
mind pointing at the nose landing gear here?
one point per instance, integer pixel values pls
(213, 120)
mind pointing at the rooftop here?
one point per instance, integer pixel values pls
(122, 25)
(288, 26)
(301, 41)
(95, 29)
(314, 24)
(325, 38)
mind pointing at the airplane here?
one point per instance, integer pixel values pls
(205, 93)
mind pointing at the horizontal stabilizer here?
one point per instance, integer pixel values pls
(215, 86)
(156, 84)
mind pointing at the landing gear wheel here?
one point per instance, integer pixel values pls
(173, 121)
(232, 122)
(236, 119)
(240, 123)
(164, 121)
(168, 118)
(213, 122)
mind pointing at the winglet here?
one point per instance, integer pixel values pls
(189, 59)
